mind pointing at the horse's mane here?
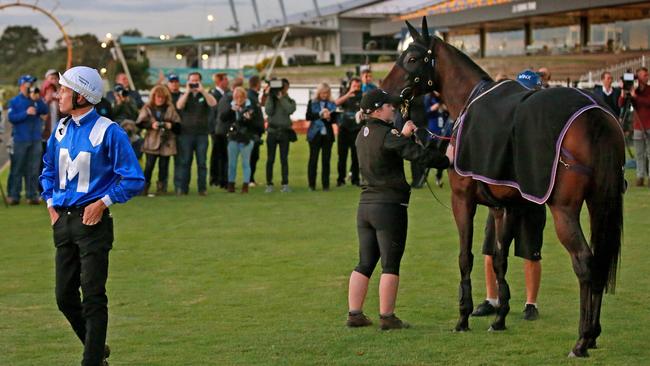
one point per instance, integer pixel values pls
(462, 57)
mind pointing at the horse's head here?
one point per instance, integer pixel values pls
(413, 73)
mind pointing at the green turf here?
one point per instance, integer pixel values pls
(262, 280)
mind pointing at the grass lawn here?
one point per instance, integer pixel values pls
(262, 280)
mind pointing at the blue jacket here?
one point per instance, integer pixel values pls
(26, 128)
(89, 160)
(318, 125)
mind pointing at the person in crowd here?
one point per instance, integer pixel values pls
(174, 86)
(321, 113)
(89, 165)
(124, 108)
(254, 87)
(609, 93)
(526, 223)
(133, 95)
(49, 90)
(366, 80)
(545, 77)
(437, 123)
(382, 217)
(219, 155)
(640, 97)
(159, 118)
(349, 127)
(194, 105)
(279, 134)
(25, 111)
(239, 119)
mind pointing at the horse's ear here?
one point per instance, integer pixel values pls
(425, 29)
(414, 32)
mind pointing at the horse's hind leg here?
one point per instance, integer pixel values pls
(567, 226)
(503, 227)
(464, 209)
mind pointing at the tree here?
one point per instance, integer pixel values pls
(132, 32)
(86, 50)
(19, 43)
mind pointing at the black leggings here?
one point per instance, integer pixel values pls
(163, 168)
(382, 234)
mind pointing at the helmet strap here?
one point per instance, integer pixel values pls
(75, 104)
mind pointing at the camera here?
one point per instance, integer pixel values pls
(194, 85)
(34, 90)
(161, 125)
(119, 89)
(275, 86)
(345, 83)
(628, 80)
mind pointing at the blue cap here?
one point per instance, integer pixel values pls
(172, 77)
(529, 79)
(26, 79)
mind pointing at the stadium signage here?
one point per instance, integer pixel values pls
(524, 7)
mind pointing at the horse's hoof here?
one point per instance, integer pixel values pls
(573, 354)
(592, 345)
(496, 328)
(461, 329)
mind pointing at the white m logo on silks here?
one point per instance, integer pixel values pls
(68, 169)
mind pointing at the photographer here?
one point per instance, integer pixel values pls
(25, 111)
(194, 106)
(124, 108)
(241, 133)
(640, 99)
(162, 123)
(321, 112)
(133, 95)
(279, 107)
(349, 128)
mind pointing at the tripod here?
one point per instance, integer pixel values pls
(625, 116)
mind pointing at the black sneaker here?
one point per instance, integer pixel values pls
(531, 312)
(358, 320)
(392, 322)
(484, 309)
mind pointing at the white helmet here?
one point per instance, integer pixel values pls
(85, 81)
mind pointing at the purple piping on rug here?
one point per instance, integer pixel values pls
(513, 184)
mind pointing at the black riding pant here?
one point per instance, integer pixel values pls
(82, 262)
(255, 156)
(345, 143)
(382, 235)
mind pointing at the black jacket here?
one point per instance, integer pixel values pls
(382, 150)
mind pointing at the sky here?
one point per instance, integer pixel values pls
(151, 17)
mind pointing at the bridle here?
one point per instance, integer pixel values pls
(424, 73)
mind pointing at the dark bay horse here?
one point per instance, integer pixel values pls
(593, 142)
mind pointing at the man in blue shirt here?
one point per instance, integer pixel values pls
(24, 114)
(88, 165)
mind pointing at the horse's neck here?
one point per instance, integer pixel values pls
(458, 77)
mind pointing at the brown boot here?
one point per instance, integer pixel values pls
(244, 188)
(639, 182)
(145, 191)
(392, 322)
(161, 187)
(231, 187)
(358, 320)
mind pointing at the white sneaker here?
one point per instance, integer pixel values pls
(269, 189)
(285, 188)
(252, 185)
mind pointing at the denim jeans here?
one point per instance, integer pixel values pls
(188, 147)
(25, 162)
(234, 149)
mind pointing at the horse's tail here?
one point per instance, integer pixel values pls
(606, 199)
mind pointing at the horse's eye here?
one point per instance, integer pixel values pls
(412, 60)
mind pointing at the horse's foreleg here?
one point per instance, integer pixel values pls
(464, 210)
(567, 226)
(503, 236)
